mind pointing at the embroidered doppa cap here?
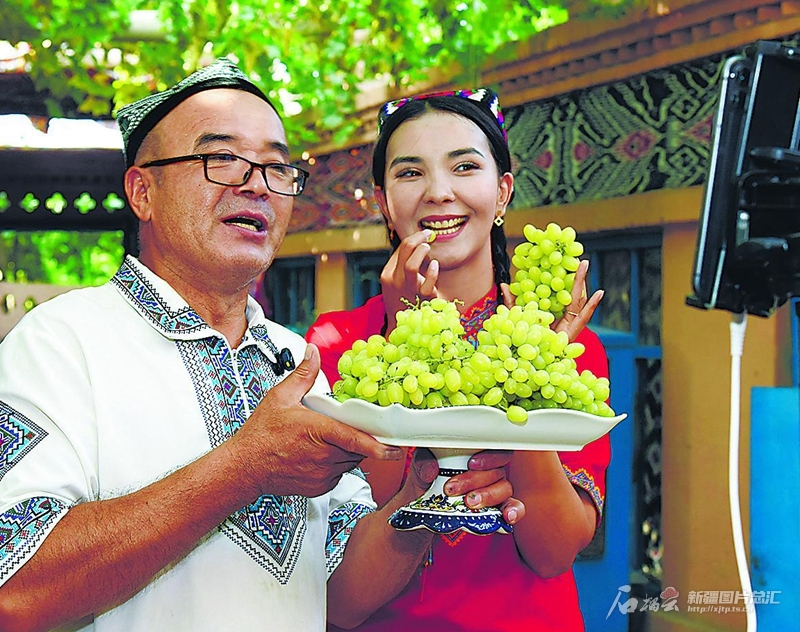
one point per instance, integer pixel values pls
(138, 119)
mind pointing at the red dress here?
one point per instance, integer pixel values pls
(476, 583)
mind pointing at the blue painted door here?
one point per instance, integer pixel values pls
(599, 579)
(628, 322)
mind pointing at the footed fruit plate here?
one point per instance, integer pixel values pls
(454, 434)
(466, 427)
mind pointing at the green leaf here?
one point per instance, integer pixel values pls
(88, 64)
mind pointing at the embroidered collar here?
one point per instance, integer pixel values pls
(472, 319)
(166, 310)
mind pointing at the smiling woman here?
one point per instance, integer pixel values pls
(444, 204)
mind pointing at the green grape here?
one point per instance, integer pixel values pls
(530, 233)
(410, 383)
(391, 353)
(452, 379)
(546, 304)
(563, 298)
(434, 399)
(458, 399)
(568, 235)
(493, 396)
(500, 375)
(367, 388)
(480, 361)
(469, 375)
(427, 380)
(553, 232)
(394, 392)
(517, 414)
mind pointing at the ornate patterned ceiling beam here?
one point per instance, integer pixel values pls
(580, 54)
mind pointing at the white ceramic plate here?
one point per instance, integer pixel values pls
(473, 427)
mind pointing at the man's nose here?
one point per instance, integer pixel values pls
(256, 183)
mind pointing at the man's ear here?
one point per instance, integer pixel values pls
(137, 189)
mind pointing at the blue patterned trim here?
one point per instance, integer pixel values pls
(271, 531)
(22, 528)
(228, 386)
(357, 471)
(18, 436)
(210, 365)
(138, 290)
(477, 523)
(341, 523)
(581, 478)
(472, 319)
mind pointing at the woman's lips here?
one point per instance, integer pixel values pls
(443, 227)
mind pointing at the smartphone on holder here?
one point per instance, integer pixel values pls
(752, 196)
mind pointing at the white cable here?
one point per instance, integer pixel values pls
(738, 326)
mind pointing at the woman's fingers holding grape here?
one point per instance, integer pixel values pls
(427, 288)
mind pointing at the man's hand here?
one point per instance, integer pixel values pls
(285, 448)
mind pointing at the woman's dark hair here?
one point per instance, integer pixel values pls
(486, 121)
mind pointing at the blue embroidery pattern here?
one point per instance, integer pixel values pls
(273, 525)
(581, 478)
(144, 297)
(270, 530)
(341, 523)
(228, 385)
(22, 528)
(209, 362)
(18, 436)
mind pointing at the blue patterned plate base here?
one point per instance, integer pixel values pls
(483, 522)
(437, 512)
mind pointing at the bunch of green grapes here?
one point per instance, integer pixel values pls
(421, 365)
(520, 364)
(525, 365)
(545, 264)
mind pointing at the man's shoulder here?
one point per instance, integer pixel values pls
(85, 301)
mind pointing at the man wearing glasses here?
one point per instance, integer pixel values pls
(158, 471)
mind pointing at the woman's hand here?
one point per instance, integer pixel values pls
(578, 313)
(409, 273)
(486, 485)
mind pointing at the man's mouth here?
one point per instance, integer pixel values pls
(445, 226)
(250, 223)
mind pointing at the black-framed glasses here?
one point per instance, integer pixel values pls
(233, 171)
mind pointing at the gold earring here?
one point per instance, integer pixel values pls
(499, 221)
